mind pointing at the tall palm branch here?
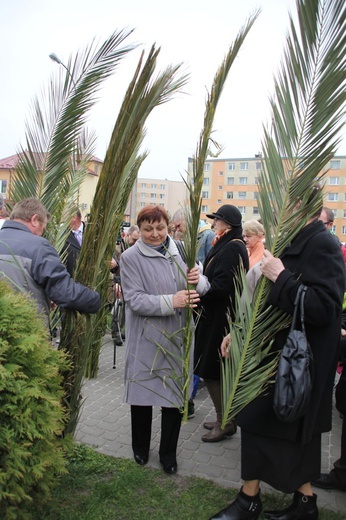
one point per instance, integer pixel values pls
(57, 152)
(308, 112)
(118, 175)
(194, 185)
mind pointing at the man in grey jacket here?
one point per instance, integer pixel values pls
(32, 264)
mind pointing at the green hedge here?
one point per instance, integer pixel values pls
(32, 452)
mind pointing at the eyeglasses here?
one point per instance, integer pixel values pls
(326, 223)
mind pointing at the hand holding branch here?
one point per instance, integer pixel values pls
(193, 276)
(225, 346)
(186, 298)
(271, 267)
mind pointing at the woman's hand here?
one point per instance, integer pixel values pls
(186, 298)
(225, 346)
(271, 267)
(193, 276)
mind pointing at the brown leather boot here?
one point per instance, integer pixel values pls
(218, 434)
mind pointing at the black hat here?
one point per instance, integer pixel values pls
(229, 214)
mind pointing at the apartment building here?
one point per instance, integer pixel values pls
(169, 194)
(235, 181)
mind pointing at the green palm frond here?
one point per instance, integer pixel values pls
(194, 183)
(308, 112)
(118, 175)
(54, 130)
(194, 186)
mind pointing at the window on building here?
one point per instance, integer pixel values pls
(242, 209)
(243, 180)
(333, 197)
(162, 186)
(96, 168)
(143, 185)
(229, 195)
(153, 186)
(161, 204)
(3, 186)
(206, 181)
(344, 213)
(162, 195)
(256, 180)
(333, 181)
(220, 187)
(219, 201)
(343, 230)
(207, 167)
(205, 194)
(231, 166)
(221, 174)
(258, 165)
(230, 180)
(244, 166)
(142, 204)
(204, 209)
(256, 195)
(242, 195)
(334, 165)
(153, 195)
(143, 195)
(255, 210)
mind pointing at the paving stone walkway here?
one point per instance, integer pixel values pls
(105, 424)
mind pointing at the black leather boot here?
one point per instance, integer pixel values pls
(244, 507)
(303, 507)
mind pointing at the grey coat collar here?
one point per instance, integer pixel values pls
(146, 250)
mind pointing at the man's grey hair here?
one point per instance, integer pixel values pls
(133, 228)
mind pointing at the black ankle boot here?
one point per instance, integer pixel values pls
(303, 507)
(244, 507)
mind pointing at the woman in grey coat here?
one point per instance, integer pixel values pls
(153, 277)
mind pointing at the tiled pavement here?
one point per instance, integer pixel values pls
(105, 424)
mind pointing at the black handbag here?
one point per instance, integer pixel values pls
(294, 377)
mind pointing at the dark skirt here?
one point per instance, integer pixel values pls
(283, 464)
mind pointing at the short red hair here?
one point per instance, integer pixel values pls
(152, 214)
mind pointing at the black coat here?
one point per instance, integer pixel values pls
(314, 259)
(73, 249)
(220, 267)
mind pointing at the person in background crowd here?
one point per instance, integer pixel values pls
(220, 267)
(155, 290)
(124, 243)
(33, 265)
(74, 241)
(204, 238)
(327, 217)
(253, 235)
(286, 455)
(3, 213)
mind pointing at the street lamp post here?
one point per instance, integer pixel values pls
(55, 58)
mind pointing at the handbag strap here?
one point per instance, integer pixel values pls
(299, 302)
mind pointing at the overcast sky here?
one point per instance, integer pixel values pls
(196, 32)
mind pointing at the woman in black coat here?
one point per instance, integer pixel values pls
(220, 266)
(287, 455)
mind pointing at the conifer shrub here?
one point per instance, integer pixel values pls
(32, 450)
